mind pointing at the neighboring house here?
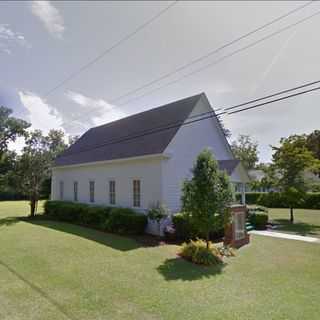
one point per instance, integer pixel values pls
(143, 159)
(312, 180)
(257, 175)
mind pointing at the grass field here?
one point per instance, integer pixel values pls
(51, 270)
(307, 222)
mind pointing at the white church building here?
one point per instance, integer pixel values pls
(143, 159)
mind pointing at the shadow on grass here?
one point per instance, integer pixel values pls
(40, 291)
(299, 228)
(9, 221)
(111, 240)
(180, 269)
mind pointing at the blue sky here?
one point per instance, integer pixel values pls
(41, 43)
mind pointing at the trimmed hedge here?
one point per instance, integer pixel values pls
(122, 220)
(251, 197)
(8, 196)
(185, 231)
(125, 220)
(76, 212)
(276, 200)
(259, 220)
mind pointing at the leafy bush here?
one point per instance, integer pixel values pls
(251, 197)
(76, 212)
(272, 200)
(12, 195)
(63, 210)
(312, 201)
(94, 216)
(121, 220)
(259, 220)
(183, 227)
(277, 200)
(125, 220)
(197, 252)
(185, 231)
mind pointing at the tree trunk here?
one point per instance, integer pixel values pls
(291, 215)
(32, 207)
(207, 239)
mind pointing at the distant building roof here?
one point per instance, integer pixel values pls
(228, 165)
(131, 136)
(256, 174)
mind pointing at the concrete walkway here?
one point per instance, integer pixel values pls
(285, 236)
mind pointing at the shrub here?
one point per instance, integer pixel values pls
(63, 210)
(125, 220)
(272, 200)
(184, 230)
(76, 212)
(259, 220)
(183, 227)
(251, 197)
(94, 216)
(197, 252)
(312, 201)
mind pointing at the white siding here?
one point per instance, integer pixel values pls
(123, 172)
(189, 141)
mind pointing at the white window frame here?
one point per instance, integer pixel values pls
(61, 189)
(136, 193)
(75, 190)
(239, 225)
(112, 193)
(92, 191)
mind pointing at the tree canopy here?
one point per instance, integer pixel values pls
(10, 128)
(246, 150)
(206, 195)
(290, 160)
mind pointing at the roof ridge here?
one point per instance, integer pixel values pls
(149, 110)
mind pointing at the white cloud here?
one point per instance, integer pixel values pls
(41, 115)
(49, 16)
(96, 111)
(8, 37)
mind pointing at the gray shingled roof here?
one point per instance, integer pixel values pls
(111, 141)
(228, 165)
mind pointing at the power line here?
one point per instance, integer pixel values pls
(211, 64)
(271, 95)
(147, 132)
(202, 116)
(108, 50)
(215, 51)
(275, 100)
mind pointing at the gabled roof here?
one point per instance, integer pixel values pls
(125, 138)
(228, 165)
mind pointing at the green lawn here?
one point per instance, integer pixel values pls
(51, 270)
(307, 222)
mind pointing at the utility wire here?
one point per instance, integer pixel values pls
(201, 117)
(270, 95)
(215, 51)
(108, 50)
(211, 64)
(275, 100)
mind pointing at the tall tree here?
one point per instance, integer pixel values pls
(207, 195)
(313, 144)
(33, 168)
(246, 150)
(10, 128)
(290, 161)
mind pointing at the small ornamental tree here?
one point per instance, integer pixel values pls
(290, 160)
(207, 195)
